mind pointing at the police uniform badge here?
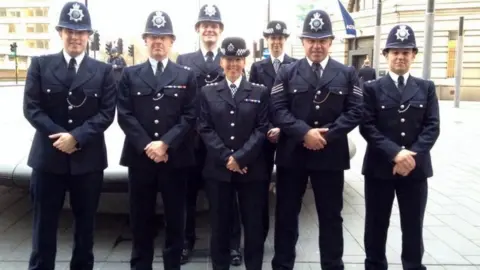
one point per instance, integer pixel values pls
(402, 33)
(210, 10)
(278, 26)
(230, 47)
(316, 22)
(75, 13)
(158, 19)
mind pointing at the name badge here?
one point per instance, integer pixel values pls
(252, 100)
(176, 86)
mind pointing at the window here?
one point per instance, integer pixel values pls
(3, 12)
(14, 13)
(42, 44)
(30, 44)
(37, 28)
(12, 28)
(452, 50)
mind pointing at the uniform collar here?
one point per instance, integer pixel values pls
(323, 63)
(237, 82)
(214, 51)
(395, 76)
(280, 58)
(78, 58)
(154, 63)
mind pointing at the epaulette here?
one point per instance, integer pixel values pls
(211, 84)
(187, 68)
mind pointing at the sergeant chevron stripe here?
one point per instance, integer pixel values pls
(277, 89)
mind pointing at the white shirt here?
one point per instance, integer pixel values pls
(395, 76)
(280, 58)
(237, 82)
(154, 63)
(78, 59)
(323, 63)
(205, 51)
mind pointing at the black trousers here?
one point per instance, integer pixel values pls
(251, 197)
(195, 183)
(412, 200)
(144, 186)
(328, 192)
(269, 154)
(47, 192)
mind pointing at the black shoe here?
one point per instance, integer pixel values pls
(235, 257)
(185, 258)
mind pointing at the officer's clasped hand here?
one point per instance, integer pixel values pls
(273, 134)
(233, 166)
(64, 142)
(314, 140)
(157, 151)
(404, 162)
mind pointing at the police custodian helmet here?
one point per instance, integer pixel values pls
(276, 28)
(401, 37)
(234, 47)
(317, 25)
(158, 24)
(209, 13)
(75, 16)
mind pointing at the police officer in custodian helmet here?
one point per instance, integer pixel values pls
(401, 125)
(156, 110)
(315, 102)
(70, 101)
(233, 123)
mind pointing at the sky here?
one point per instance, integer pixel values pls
(245, 18)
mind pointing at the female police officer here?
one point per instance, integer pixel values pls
(233, 123)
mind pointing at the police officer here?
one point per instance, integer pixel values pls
(70, 100)
(401, 125)
(264, 72)
(233, 123)
(118, 63)
(156, 110)
(206, 64)
(315, 102)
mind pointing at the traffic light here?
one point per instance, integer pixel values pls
(96, 42)
(13, 48)
(120, 46)
(108, 47)
(131, 50)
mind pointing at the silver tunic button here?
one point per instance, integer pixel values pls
(159, 94)
(156, 121)
(232, 124)
(157, 108)
(96, 95)
(70, 107)
(316, 123)
(421, 106)
(403, 134)
(340, 92)
(69, 93)
(232, 138)
(156, 134)
(383, 107)
(402, 120)
(208, 76)
(138, 93)
(317, 107)
(403, 147)
(232, 150)
(176, 94)
(70, 121)
(295, 90)
(48, 90)
(402, 106)
(232, 112)
(319, 92)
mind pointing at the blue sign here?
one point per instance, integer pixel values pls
(266, 53)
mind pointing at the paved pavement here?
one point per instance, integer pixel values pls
(452, 222)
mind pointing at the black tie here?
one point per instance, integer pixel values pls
(401, 84)
(317, 69)
(159, 71)
(71, 73)
(209, 57)
(233, 89)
